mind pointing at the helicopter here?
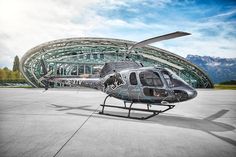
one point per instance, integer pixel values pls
(133, 83)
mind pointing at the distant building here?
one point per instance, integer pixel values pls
(84, 57)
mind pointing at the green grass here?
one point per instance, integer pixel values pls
(230, 87)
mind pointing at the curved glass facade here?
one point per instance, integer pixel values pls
(84, 57)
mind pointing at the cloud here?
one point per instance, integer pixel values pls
(27, 23)
(225, 14)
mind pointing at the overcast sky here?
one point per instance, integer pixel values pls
(27, 23)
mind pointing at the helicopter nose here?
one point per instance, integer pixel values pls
(192, 94)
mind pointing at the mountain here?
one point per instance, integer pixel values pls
(218, 69)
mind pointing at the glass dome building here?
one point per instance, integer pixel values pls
(84, 57)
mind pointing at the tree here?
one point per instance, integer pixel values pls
(16, 64)
(16, 75)
(7, 72)
(3, 75)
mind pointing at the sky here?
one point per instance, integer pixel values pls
(27, 23)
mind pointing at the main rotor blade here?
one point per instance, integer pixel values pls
(158, 38)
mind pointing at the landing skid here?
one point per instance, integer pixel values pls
(130, 108)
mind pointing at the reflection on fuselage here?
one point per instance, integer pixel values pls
(149, 85)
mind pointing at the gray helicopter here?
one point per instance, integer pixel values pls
(131, 82)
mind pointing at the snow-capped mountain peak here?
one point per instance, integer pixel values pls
(219, 69)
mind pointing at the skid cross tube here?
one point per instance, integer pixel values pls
(130, 108)
(104, 102)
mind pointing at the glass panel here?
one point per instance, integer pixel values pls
(88, 56)
(74, 70)
(81, 70)
(133, 79)
(168, 78)
(81, 56)
(101, 56)
(150, 78)
(95, 56)
(87, 69)
(155, 92)
(172, 79)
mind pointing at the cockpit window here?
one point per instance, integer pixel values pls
(150, 78)
(133, 79)
(168, 78)
(172, 79)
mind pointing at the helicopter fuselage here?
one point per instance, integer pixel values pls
(147, 85)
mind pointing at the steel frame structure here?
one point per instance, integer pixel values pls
(76, 56)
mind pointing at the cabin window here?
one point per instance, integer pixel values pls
(133, 79)
(155, 92)
(150, 78)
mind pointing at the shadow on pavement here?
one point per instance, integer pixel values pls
(206, 124)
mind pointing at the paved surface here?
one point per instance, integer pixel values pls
(66, 123)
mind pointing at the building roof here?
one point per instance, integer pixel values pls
(64, 53)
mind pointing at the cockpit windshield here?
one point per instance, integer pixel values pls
(172, 79)
(150, 78)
